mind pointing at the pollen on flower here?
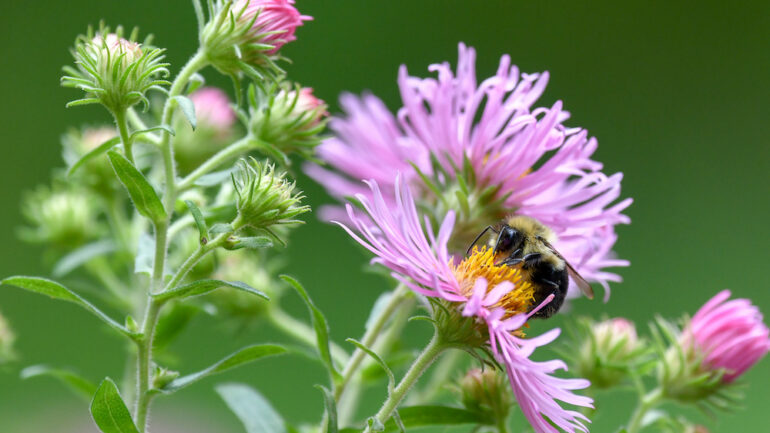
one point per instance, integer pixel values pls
(481, 264)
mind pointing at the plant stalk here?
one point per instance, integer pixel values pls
(215, 161)
(649, 401)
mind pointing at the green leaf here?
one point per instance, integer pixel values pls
(188, 108)
(423, 416)
(82, 255)
(320, 325)
(204, 286)
(220, 228)
(107, 145)
(215, 178)
(166, 128)
(256, 413)
(243, 356)
(142, 193)
(55, 290)
(331, 409)
(109, 411)
(80, 385)
(203, 229)
(253, 243)
(376, 357)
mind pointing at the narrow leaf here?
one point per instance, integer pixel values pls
(221, 228)
(109, 411)
(188, 108)
(253, 243)
(55, 290)
(214, 178)
(331, 409)
(422, 416)
(243, 356)
(203, 229)
(204, 286)
(80, 385)
(107, 145)
(82, 255)
(166, 128)
(256, 413)
(319, 323)
(142, 193)
(376, 357)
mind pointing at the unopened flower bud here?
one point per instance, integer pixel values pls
(486, 391)
(6, 341)
(64, 218)
(289, 121)
(608, 350)
(215, 129)
(247, 35)
(113, 70)
(721, 342)
(265, 197)
(162, 377)
(212, 108)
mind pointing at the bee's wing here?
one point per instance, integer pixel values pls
(584, 286)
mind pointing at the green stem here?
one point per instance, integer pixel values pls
(438, 378)
(303, 333)
(158, 266)
(369, 338)
(215, 161)
(120, 120)
(649, 401)
(144, 362)
(423, 361)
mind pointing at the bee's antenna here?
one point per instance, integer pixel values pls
(479, 237)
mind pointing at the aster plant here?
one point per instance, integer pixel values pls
(182, 209)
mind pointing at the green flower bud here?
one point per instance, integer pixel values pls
(162, 377)
(64, 218)
(113, 70)
(287, 121)
(264, 197)
(608, 351)
(6, 341)
(486, 391)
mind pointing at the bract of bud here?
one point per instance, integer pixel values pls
(97, 174)
(287, 120)
(246, 35)
(608, 351)
(215, 129)
(487, 392)
(265, 197)
(63, 218)
(162, 377)
(6, 341)
(114, 70)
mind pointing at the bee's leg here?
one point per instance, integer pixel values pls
(512, 260)
(550, 283)
(531, 260)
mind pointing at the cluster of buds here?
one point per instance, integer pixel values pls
(63, 218)
(486, 392)
(115, 71)
(721, 342)
(285, 121)
(247, 35)
(6, 341)
(265, 198)
(609, 350)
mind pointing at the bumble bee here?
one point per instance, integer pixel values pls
(526, 241)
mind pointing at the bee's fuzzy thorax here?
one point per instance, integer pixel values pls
(531, 227)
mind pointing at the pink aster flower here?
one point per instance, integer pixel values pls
(730, 334)
(515, 159)
(276, 20)
(493, 296)
(212, 108)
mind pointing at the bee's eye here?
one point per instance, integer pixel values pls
(508, 239)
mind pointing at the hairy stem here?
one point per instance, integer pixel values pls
(120, 120)
(144, 362)
(303, 333)
(369, 338)
(423, 361)
(215, 161)
(649, 401)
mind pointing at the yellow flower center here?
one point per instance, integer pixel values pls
(481, 264)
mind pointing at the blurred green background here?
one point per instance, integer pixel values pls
(676, 93)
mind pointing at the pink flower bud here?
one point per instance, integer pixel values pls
(729, 334)
(116, 46)
(276, 20)
(212, 108)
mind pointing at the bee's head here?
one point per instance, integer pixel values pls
(508, 240)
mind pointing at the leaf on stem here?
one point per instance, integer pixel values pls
(109, 411)
(55, 290)
(166, 128)
(107, 145)
(241, 357)
(256, 413)
(320, 325)
(78, 384)
(188, 108)
(331, 409)
(252, 243)
(201, 287)
(82, 255)
(142, 193)
(200, 222)
(380, 361)
(423, 416)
